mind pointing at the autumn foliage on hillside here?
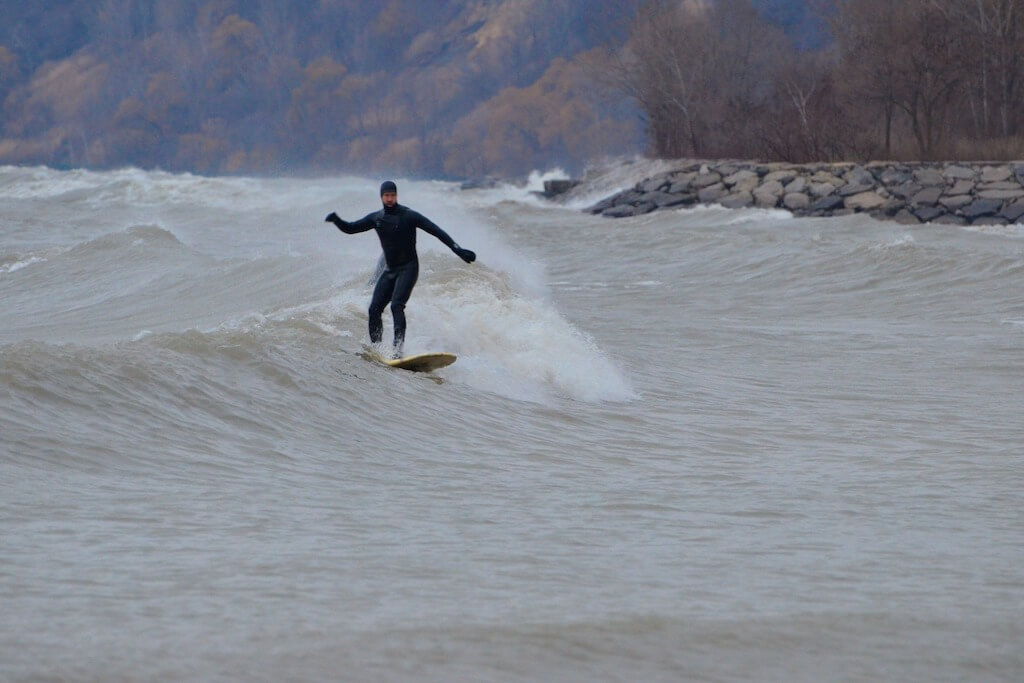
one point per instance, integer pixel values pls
(425, 88)
(458, 89)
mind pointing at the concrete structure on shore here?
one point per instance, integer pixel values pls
(958, 193)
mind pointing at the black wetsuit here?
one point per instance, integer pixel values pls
(396, 227)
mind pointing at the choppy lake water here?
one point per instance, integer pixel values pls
(702, 445)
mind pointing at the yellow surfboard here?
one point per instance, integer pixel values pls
(421, 362)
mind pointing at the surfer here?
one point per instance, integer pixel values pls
(396, 227)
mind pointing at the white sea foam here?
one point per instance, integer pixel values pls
(895, 243)
(513, 345)
(18, 265)
(1011, 230)
(605, 178)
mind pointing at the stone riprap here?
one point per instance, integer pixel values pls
(954, 193)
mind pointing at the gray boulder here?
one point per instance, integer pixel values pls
(927, 214)
(1002, 194)
(682, 183)
(796, 185)
(658, 182)
(737, 200)
(891, 207)
(905, 190)
(767, 196)
(906, 218)
(990, 220)
(894, 176)
(665, 200)
(929, 176)
(1014, 212)
(995, 174)
(726, 169)
(929, 196)
(795, 201)
(960, 187)
(865, 201)
(960, 173)
(744, 176)
(765, 201)
(859, 175)
(553, 188)
(851, 190)
(1002, 185)
(826, 177)
(708, 179)
(981, 207)
(781, 176)
(628, 197)
(620, 211)
(606, 203)
(828, 203)
(712, 193)
(957, 202)
(821, 189)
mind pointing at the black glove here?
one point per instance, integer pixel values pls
(332, 218)
(465, 254)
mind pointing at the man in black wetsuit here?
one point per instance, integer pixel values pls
(396, 227)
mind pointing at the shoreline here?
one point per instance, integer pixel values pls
(953, 193)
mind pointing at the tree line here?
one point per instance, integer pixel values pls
(441, 88)
(459, 90)
(898, 80)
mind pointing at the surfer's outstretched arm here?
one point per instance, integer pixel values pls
(429, 226)
(362, 225)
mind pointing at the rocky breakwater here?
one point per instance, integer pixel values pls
(954, 193)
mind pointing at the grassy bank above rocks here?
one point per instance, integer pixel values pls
(958, 193)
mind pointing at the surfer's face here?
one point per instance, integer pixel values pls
(389, 199)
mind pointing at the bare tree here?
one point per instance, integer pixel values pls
(993, 34)
(701, 73)
(667, 73)
(907, 57)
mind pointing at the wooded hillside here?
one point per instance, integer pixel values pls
(445, 87)
(464, 89)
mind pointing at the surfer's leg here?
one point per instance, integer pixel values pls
(404, 283)
(381, 294)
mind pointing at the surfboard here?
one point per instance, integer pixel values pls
(421, 362)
